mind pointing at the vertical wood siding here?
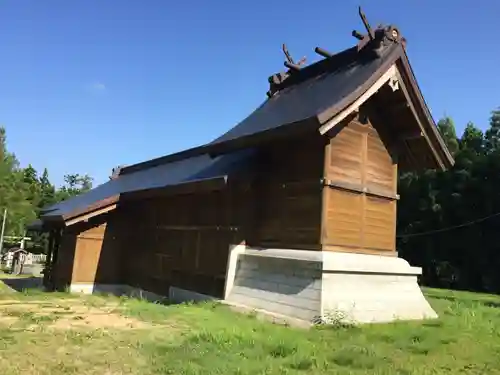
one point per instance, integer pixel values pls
(183, 240)
(288, 194)
(359, 205)
(88, 253)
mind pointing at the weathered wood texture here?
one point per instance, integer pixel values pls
(178, 240)
(183, 240)
(88, 254)
(287, 194)
(359, 202)
(63, 269)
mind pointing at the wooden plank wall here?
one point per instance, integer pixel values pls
(88, 254)
(183, 240)
(359, 203)
(288, 194)
(63, 269)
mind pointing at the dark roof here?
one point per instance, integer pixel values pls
(197, 168)
(324, 87)
(315, 89)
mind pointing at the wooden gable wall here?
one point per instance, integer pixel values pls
(359, 201)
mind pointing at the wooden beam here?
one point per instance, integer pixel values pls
(388, 75)
(322, 52)
(404, 89)
(359, 189)
(410, 136)
(358, 250)
(90, 215)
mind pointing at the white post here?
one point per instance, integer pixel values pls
(23, 241)
(3, 229)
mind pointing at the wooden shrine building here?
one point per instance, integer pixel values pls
(292, 211)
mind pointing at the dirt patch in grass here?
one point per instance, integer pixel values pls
(61, 314)
(97, 319)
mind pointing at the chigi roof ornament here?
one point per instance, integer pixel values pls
(377, 39)
(370, 45)
(115, 172)
(278, 78)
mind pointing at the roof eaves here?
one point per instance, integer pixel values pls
(63, 218)
(438, 142)
(93, 207)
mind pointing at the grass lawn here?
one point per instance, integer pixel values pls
(62, 334)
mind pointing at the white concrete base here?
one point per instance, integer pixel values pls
(176, 295)
(82, 288)
(301, 287)
(325, 286)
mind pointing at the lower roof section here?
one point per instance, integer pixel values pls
(194, 169)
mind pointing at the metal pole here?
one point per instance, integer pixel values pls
(3, 229)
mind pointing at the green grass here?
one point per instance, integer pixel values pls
(211, 339)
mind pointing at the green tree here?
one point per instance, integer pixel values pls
(492, 135)
(446, 127)
(441, 215)
(15, 193)
(472, 139)
(47, 190)
(32, 185)
(74, 184)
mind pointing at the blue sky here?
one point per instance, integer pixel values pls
(90, 84)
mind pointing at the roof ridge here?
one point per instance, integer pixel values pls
(170, 158)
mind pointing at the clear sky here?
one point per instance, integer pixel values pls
(90, 84)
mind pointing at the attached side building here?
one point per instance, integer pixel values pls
(292, 211)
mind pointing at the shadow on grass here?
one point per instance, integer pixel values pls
(23, 283)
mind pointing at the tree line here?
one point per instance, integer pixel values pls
(25, 191)
(449, 222)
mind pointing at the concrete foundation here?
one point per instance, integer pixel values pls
(302, 287)
(175, 295)
(326, 286)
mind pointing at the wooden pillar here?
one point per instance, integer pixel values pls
(56, 234)
(48, 262)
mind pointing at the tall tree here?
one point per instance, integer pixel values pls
(455, 214)
(492, 135)
(47, 190)
(14, 191)
(74, 184)
(446, 127)
(472, 138)
(30, 179)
